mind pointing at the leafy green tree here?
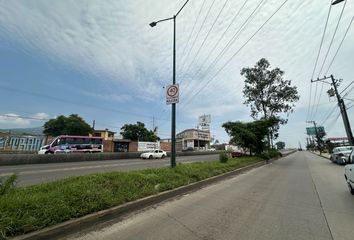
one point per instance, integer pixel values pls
(268, 94)
(138, 132)
(250, 135)
(280, 145)
(71, 125)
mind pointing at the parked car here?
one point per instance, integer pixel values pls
(236, 154)
(153, 154)
(341, 154)
(349, 172)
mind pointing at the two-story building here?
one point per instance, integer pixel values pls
(107, 136)
(193, 139)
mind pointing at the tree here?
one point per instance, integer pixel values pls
(138, 132)
(72, 125)
(250, 135)
(268, 94)
(280, 145)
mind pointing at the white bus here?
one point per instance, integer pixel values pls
(73, 144)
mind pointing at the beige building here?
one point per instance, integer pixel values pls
(193, 139)
(104, 134)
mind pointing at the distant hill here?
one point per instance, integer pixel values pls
(30, 131)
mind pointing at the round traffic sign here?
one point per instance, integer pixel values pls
(172, 91)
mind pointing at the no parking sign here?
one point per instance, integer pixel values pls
(172, 94)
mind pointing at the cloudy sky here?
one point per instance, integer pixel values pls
(101, 60)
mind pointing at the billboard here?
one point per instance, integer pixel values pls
(204, 122)
(148, 146)
(312, 131)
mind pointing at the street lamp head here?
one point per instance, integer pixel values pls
(153, 24)
(337, 1)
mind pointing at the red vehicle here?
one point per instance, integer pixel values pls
(236, 154)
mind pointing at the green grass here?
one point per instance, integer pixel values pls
(27, 209)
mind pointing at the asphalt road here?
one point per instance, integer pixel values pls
(301, 196)
(40, 173)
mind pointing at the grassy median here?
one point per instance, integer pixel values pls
(27, 209)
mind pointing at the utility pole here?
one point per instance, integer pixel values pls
(93, 124)
(334, 91)
(317, 136)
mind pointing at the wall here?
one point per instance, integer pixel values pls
(108, 146)
(19, 159)
(133, 147)
(166, 146)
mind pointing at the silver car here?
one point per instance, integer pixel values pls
(340, 155)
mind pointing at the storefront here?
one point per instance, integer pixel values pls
(193, 139)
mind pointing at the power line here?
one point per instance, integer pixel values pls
(346, 87)
(318, 55)
(234, 37)
(232, 57)
(334, 34)
(308, 107)
(76, 103)
(346, 94)
(218, 41)
(331, 125)
(340, 45)
(206, 37)
(195, 23)
(319, 98)
(195, 39)
(323, 35)
(329, 114)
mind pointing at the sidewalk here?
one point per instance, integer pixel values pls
(325, 155)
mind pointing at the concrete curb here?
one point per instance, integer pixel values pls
(73, 226)
(320, 155)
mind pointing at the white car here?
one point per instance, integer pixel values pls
(153, 154)
(341, 154)
(349, 173)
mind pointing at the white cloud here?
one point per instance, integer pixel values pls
(12, 120)
(112, 41)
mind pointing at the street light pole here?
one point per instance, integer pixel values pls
(337, 1)
(173, 122)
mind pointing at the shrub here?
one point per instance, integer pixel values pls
(274, 153)
(223, 158)
(6, 184)
(271, 153)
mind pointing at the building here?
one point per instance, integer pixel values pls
(104, 134)
(193, 139)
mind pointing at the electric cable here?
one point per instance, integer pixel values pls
(334, 34)
(195, 23)
(237, 52)
(195, 39)
(206, 37)
(234, 37)
(340, 45)
(317, 57)
(217, 42)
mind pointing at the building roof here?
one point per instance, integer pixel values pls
(106, 130)
(194, 129)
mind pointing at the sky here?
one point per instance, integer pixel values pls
(102, 60)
